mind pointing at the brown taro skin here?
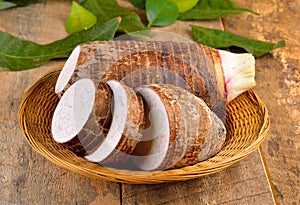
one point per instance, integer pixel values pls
(97, 126)
(177, 140)
(196, 133)
(209, 138)
(205, 133)
(102, 109)
(131, 134)
(194, 67)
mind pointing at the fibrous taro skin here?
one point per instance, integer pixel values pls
(215, 76)
(181, 131)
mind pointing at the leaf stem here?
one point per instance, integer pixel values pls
(149, 25)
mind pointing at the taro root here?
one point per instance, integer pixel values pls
(192, 71)
(213, 75)
(180, 129)
(76, 120)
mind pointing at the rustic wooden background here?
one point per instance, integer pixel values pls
(270, 175)
(278, 77)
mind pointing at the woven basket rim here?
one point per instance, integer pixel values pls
(142, 177)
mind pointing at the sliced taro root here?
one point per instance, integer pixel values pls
(180, 129)
(76, 120)
(102, 106)
(68, 72)
(123, 135)
(215, 76)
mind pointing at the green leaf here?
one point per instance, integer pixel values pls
(79, 19)
(138, 3)
(105, 10)
(212, 9)
(221, 39)
(12, 3)
(17, 54)
(23, 2)
(185, 5)
(6, 5)
(161, 13)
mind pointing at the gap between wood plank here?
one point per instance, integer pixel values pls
(267, 172)
(121, 193)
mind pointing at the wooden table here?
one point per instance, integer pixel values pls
(269, 175)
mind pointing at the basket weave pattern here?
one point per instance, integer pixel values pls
(247, 124)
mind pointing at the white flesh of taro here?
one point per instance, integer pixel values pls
(67, 71)
(238, 71)
(158, 134)
(73, 110)
(117, 125)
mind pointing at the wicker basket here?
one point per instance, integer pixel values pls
(247, 125)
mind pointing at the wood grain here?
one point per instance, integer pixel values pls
(278, 84)
(40, 22)
(28, 178)
(239, 184)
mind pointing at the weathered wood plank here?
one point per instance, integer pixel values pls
(25, 176)
(40, 22)
(242, 183)
(278, 84)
